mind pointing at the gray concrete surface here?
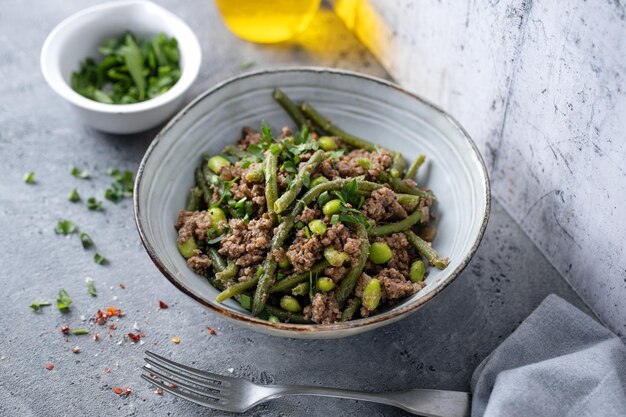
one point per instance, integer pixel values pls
(540, 86)
(437, 347)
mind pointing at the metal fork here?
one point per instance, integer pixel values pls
(237, 395)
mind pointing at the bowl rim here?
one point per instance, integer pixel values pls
(364, 323)
(63, 89)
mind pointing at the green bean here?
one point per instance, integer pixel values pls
(237, 288)
(269, 265)
(215, 282)
(195, 196)
(400, 186)
(327, 126)
(293, 280)
(399, 226)
(353, 306)
(217, 162)
(347, 285)
(398, 165)
(290, 195)
(290, 304)
(286, 316)
(271, 185)
(408, 201)
(188, 247)
(379, 253)
(417, 271)
(227, 273)
(219, 264)
(202, 184)
(414, 167)
(426, 250)
(290, 107)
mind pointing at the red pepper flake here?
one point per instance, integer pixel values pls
(117, 390)
(211, 330)
(107, 370)
(49, 366)
(158, 391)
(135, 337)
(102, 317)
(122, 286)
(172, 385)
(163, 305)
(75, 349)
(96, 337)
(112, 326)
(127, 391)
(65, 329)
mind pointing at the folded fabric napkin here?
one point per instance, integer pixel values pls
(559, 362)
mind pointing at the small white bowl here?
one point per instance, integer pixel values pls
(78, 37)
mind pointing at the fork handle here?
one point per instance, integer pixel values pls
(424, 402)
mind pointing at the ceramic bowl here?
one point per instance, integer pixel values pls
(79, 36)
(372, 108)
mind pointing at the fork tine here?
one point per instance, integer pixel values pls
(209, 385)
(186, 396)
(166, 363)
(170, 379)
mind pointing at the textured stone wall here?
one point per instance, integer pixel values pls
(540, 86)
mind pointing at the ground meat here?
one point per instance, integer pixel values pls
(383, 205)
(361, 283)
(399, 246)
(227, 173)
(353, 248)
(323, 309)
(199, 263)
(304, 252)
(337, 235)
(254, 192)
(279, 255)
(355, 163)
(395, 286)
(248, 242)
(193, 224)
(249, 137)
(308, 214)
(336, 273)
(247, 273)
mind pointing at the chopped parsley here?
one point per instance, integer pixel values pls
(83, 175)
(85, 240)
(29, 177)
(100, 259)
(93, 204)
(80, 331)
(65, 227)
(36, 305)
(91, 287)
(63, 301)
(121, 187)
(74, 197)
(247, 65)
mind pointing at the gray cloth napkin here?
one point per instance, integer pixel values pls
(559, 362)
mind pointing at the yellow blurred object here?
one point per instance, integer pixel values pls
(267, 21)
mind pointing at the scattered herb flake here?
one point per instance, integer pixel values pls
(74, 197)
(121, 187)
(84, 175)
(65, 227)
(93, 204)
(63, 301)
(29, 177)
(91, 287)
(247, 65)
(80, 331)
(100, 259)
(85, 240)
(36, 305)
